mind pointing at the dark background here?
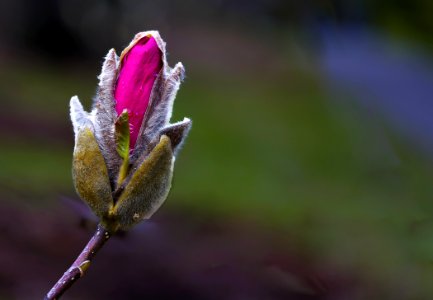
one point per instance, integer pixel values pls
(307, 175)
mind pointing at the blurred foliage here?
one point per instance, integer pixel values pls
(270, 144)
(410, 20)
(277, 152)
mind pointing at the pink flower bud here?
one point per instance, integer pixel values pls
(124, 187)
(140, 66)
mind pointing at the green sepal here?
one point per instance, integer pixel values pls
(148, 187)
(90, 174)
(122, 135)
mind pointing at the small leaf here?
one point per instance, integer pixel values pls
(90, 174)
(122, 135)
(148, 187)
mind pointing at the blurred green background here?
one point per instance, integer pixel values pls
(308, 167)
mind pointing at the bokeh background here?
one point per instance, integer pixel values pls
(308, 173)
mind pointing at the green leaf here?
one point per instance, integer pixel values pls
(122, 135)
(148, 187)
(90, 174)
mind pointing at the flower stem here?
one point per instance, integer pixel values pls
(80, 265)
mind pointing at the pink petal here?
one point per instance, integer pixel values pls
(139, 69)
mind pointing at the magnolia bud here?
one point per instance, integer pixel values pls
(125, 148)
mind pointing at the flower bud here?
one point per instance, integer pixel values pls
(125, 147)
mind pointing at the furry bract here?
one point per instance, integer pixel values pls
(125, 147)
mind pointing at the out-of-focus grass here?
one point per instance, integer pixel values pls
(283, 153)
(277, 150)
(35, 169)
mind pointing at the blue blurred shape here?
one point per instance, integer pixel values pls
(390, 77)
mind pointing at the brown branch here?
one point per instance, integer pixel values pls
(80, 265)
